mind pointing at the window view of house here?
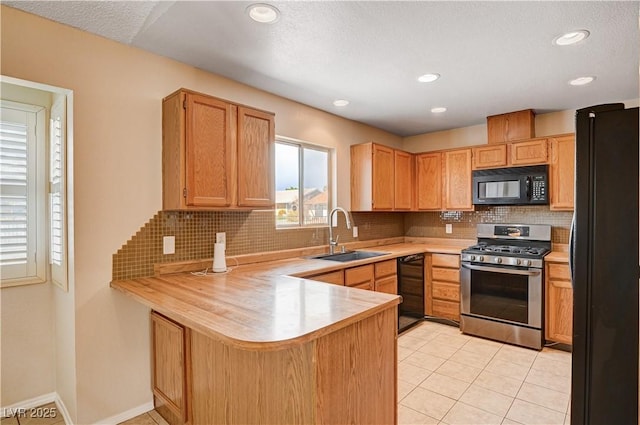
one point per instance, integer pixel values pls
(302, 184)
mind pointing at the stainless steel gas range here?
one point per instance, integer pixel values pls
(501, 283)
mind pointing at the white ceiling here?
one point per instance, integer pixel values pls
(494, 57)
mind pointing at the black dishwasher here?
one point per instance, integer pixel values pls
(411, 288)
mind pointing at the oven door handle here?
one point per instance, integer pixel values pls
(501, 270)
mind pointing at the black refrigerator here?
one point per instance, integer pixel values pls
(604, 264)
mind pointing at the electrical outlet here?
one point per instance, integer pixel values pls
(221, 237)
(168, 245)
(448, 228)
(355, 231)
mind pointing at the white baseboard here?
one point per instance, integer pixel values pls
(125, 416)
(63, 410)
(55, 398)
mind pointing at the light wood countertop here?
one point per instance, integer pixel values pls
(267, 305)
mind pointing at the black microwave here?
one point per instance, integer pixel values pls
(511, 186)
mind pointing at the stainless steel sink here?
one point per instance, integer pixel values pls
(348, 256)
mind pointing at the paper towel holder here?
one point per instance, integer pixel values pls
(219, 260)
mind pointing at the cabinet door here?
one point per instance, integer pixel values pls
(383, 181)
(529, 153)
(457, 180)
(169, 364)
(388, 285)
(559, 304)
(403, 180)
(337, 277)
(256, 158)
(429, 181)
(511, 126)
(359, 277)
(562, 173)
(209, 151)
(490, 156)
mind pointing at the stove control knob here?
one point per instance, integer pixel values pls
(518, 262)
(527, 262)
(472, 257)
(498, 260)
(481, 258)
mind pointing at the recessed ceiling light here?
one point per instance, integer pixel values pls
(428, 78)
(438, 110)
(340, 102)
(263, 13)
(572, 37)
(581, 81)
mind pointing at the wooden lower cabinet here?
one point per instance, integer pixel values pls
(346, 376)
(169, 367)
(558, 303)
(386, 276)
(442, 286)
(360, 277)
(336, 277)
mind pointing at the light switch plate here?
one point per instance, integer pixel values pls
(355, 231)
(448, 228)
(168, 245)
(221, 237)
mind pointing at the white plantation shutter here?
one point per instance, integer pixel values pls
(57, 222)
(18, 197)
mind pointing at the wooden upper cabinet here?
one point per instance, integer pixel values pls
(256, 158)
(562, 172)
(511, 126)
(383, 178)
(457, 180)
(373, 178)
(490, 156)
(531, 152)
(209, 151)
(215, 154)
(429, 181)
(403, 180)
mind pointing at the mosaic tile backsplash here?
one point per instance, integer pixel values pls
(246, 231)
(254, 231)
(432, 224)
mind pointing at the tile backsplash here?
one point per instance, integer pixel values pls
(254, 231)
(246, 231)
(463, 223)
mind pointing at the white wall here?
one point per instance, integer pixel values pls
(102, 337)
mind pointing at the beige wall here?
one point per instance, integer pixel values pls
(546, 125)
(26, 322)
(117, 93)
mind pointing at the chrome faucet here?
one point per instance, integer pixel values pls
(333, 244)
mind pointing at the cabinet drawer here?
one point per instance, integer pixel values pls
(337, 277)
(559, 271)
(446, 291)
(359, 275)
(448, 309)
(387, 285)
(386, 268)
(447, 275)
(368, 285)
(445, 260)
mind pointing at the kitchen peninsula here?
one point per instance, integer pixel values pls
(254, 346)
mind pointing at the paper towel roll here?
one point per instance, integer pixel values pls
(219, 261)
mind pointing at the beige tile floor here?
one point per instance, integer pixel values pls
(445, 377)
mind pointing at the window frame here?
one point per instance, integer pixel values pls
(39, 200)
(302, 145)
